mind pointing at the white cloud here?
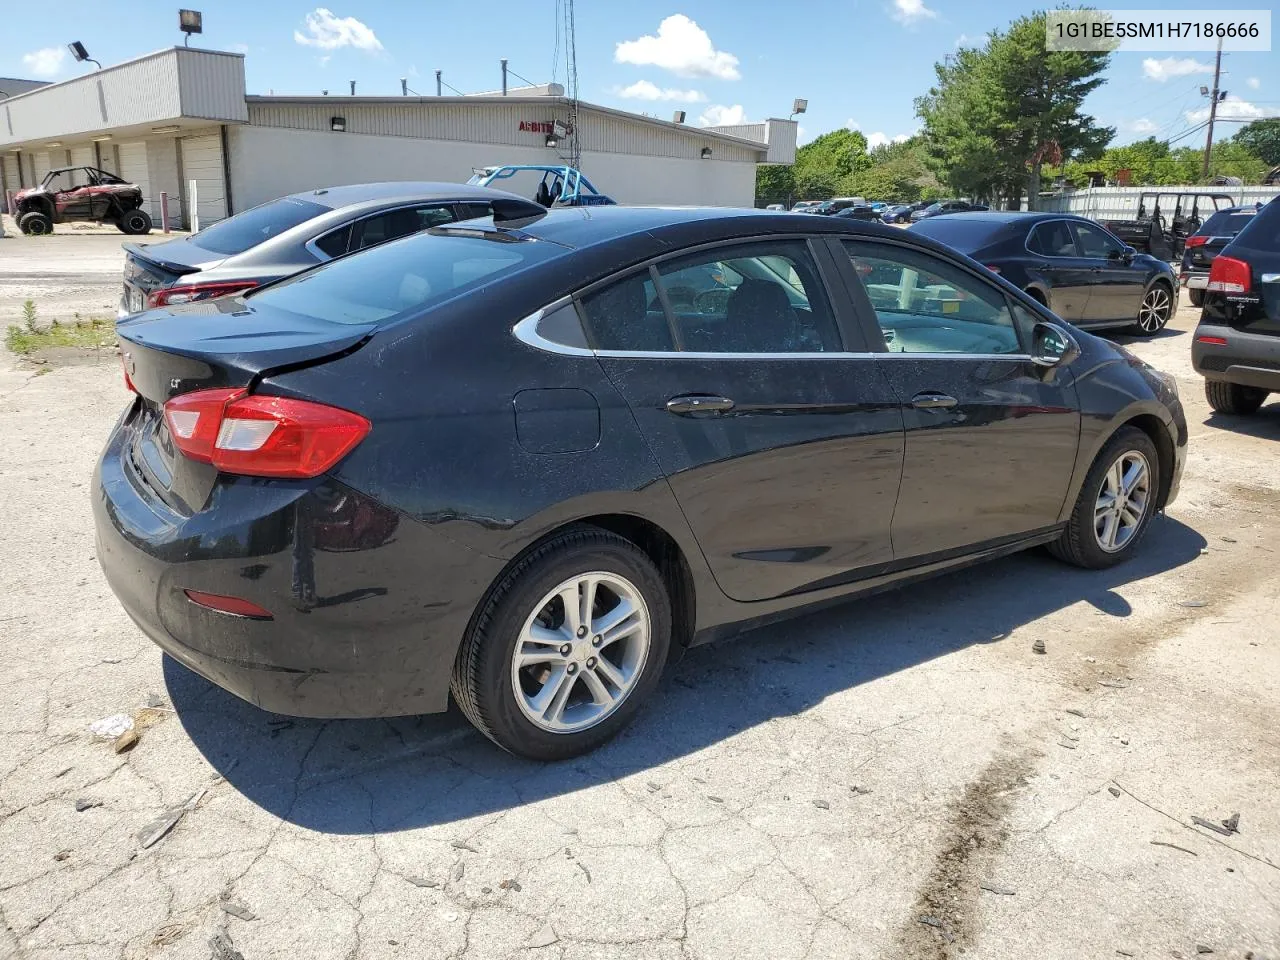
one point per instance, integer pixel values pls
(1254, 83)
(644, 90)
(46, 62)
(1233, 108)
(1143, 125)
(718, 115)
(802, 135)
(1171, 67)
(682, 47)
(328, 32)
(879, 139)
(964, 40)
(852, 124)
(239, 48)
(912, 11)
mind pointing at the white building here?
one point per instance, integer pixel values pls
(181, 115)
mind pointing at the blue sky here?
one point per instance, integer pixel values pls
(859, 62)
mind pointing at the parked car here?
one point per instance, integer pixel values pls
(900, 212)
(503, 461)
(279, 238)
(81, 194)
(1165, 219)
(805, 206)
(1237, 342)
(776, 206)
(1206, 243)
(1071, 265)
(945, 206)
(858, 212)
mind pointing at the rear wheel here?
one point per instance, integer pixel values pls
(135, 222)
(1196, 297)
(567, 647)
(1156, 309)
(35, 223)
(1115, 505)
(1233, 398)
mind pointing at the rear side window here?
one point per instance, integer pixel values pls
(237, 234)
(755, 298)
(392, 224)
(1052, 239)
(404, 277)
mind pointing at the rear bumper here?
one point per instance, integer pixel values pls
(1195, 280)
(368, 606)
(1249, 359)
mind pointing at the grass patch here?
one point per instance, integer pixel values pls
(91, 334)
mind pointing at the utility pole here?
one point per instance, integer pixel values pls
(1213, 111)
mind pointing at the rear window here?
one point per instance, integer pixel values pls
(403, 277)
(1226, 223)
(1262, 232)
(963, 233)
(237, 234)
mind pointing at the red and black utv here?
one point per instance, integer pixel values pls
(71, 194)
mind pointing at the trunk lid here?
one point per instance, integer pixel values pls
(153, 266)
(219, 343)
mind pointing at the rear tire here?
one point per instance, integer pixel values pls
(514, 650)
(1196, 297)
(135, 222)
(1102, 530)
(1234, 398)
(35, 224)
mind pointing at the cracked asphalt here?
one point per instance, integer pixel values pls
(901, 777)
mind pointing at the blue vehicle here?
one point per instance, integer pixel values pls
(563, 186)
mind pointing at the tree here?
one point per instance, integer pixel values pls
(774, 182)
(999, 112)
(1151, 163)
(821, 165)
(1262, 139)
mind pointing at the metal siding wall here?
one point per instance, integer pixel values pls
(1121, 203)
(12, 181)
(133, 167)
(162, 171)
(493, 123)
(211, 85)
(81, 156)
(202, 162)
(42, 164)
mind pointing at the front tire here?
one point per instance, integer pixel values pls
(1233, 398)
(1116, 503)
(135, 222)
(1155, 311)
(35, 224)
(566, 648)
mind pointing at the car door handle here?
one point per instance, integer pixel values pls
(933, 401)
(699, 405)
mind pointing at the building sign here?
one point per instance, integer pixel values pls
(536, 126)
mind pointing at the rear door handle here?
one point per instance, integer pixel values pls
(933, 401)
(699, 406)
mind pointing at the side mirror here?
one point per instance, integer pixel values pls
(1051, 346)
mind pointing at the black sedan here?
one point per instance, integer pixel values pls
(1237, 343)
(927, 211)
(860, 211)
(1200, 249)
(506, 460)
(282, 237)
(1071, 265)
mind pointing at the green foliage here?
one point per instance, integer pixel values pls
(838, 164)
(94, 333)
(774, 182)
(996, 110)
(1262, 139)
(1151, 163)
(29, 315)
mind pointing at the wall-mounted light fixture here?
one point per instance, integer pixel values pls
(678, 117)
(798, 105)
(189, 22)
(338, 124)
(551, 140)
(80, 53)
(706, 153)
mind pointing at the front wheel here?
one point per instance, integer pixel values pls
(1156, 309)
(1115, 504)
(35, 224)
(567, 647)
(135, 222)
(1233, 398)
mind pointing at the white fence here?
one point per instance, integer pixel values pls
(1121, 203)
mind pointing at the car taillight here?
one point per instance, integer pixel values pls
(128, 380)
(1196, 241)
(1213, 341)
(171, 296)
(235, 606)
(1229, 275)
(260, 436)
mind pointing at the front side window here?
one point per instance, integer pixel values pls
(927, 305)
(1095, 242)
(755, 298)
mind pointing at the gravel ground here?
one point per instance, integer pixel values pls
(898, 778)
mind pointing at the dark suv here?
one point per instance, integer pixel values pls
(1206, 243)
(1237, 344)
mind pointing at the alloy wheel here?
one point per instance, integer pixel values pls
(581, 652)
(1155, 310)
(1122, 502)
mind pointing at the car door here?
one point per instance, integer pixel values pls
(990, 437)
(779, 435)
(1070, 279)
(1118, 286)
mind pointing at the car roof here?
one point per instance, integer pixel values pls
(391, 191)
(1008, 216)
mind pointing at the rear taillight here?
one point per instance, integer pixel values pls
(1196, 241)
(261, 436)
(171, 296)
(128, 380)
(1229, 275)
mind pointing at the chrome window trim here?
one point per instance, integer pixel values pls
(526, 331)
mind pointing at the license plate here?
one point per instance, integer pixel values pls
(137, 301)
